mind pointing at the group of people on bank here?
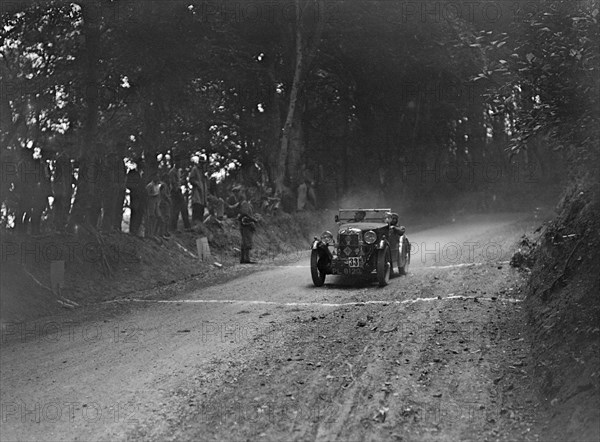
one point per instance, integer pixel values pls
(157, 206)
(45, 190)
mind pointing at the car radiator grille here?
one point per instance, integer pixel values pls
(350, 245)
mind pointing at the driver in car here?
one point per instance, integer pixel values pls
(359, 216)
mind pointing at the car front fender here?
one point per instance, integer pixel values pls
(317, 244)
(382, 244)
(404, 244)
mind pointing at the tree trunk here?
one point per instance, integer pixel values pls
(87, 200)
(287, 128)
(270, 155)
(303, 61)
(296, 150)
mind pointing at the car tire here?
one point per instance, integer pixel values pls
(403, 269)
(384, 266)
(318, 277)
(395, 259)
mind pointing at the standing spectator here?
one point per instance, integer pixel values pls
(33, 189)
(153, 206)
(137, 198)
(24, 189)
(41, 193)
(164, 207)
(232, 204)
(220, 208)
(271, 202)
(216, 207)
(178, 200)
(213, 210)
(247, 227)
(199, 190)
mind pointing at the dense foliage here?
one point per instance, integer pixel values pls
(415, 103)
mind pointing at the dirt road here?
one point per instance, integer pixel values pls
(436, 355)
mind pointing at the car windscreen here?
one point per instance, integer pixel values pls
(371, 215)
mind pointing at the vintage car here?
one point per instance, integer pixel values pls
(368, 241)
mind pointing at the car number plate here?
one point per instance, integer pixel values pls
(354, 262)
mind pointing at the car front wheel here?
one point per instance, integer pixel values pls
(318, 276)
(384, 266)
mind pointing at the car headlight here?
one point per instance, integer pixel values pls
(327, 237)
(370, 237)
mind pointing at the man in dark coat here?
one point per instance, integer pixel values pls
(248, 222)
(33, 189)
(197, 179)
(232, 203)
(178, 200)
(137, 198)
(43, 189)
(153, 216)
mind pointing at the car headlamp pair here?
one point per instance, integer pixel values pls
(369, 237)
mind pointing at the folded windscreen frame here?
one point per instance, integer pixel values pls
(371, 215)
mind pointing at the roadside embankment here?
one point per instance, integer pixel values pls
(109, 266)
(563, 306)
